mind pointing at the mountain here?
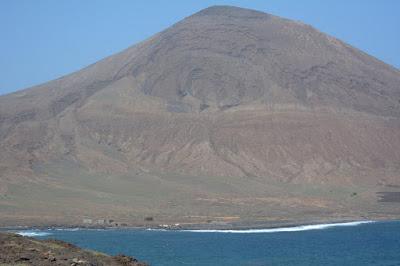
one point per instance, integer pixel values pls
(229, 116)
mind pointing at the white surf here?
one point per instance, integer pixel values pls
(283, 229)
(33, 233)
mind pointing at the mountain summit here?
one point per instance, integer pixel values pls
(230, 114)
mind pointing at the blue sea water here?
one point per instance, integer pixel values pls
(354, 244)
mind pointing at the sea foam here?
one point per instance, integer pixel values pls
(68, 229)
(33, 233)
(283, 229)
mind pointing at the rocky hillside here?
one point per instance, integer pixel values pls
(229, 114)
(19, 250)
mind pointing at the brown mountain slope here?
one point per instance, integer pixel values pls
(229, 114)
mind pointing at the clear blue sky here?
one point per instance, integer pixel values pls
(43, 39)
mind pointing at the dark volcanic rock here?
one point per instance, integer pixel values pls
(16, 249)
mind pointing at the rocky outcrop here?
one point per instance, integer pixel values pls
(20, 250)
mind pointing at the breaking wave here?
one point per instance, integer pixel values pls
(33, 233)
(68, 229)
(283, 229)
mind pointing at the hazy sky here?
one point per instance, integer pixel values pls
(43, 39)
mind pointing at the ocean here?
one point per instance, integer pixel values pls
(357, 243)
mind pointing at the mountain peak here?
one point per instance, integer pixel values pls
(231, 11)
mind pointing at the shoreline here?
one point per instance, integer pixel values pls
(24, 250)
(207, 228)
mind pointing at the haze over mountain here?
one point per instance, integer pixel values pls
(230, 115)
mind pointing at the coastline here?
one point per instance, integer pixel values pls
(281, 226)
(24, 250)
(267, 245)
